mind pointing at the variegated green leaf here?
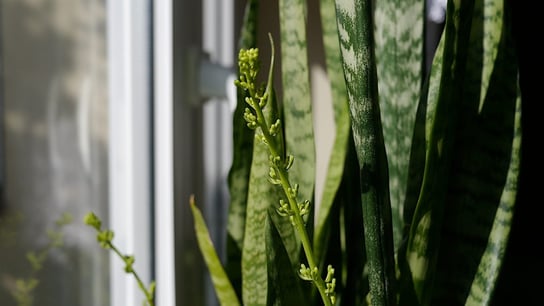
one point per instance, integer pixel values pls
(424, 235)
(416, 170)
(286, 231)
(238, 179)
(424, 122)
(483, 179)
(399, 56)
(223, 288)
(355, 27)
(352, 240)
(486, 276)
(297, 106)
(262, 195)
(285, 285)
(342, 123)
(492, 18)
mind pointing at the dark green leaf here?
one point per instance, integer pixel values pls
(424, 237)
(483, 180)
(355, 26)
(285, 285)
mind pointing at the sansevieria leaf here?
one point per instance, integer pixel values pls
(296, 102)
(424, 239)
(355, 26)
(262, 196)
(342, 123)
(482, 184)
(238, 178)
(223, 288)
(285, 285)
(491, 18)
(485, 279)
(399, 36)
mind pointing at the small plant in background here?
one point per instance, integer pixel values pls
(23, 288)
(105, 239)
(8, 234)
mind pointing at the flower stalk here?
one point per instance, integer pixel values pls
(280, 163)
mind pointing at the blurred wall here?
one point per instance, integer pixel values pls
(55, 125)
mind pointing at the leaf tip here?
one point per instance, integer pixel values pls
(192, 200)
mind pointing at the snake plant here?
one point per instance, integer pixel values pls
(422, 181)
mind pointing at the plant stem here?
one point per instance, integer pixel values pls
(148, 295)
(297, 219)
(301, 229)
(280, 164)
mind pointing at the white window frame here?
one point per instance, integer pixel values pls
(130, 192)
(163, 153)
(143, 190)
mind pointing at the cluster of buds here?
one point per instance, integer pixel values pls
(104, 237)
(310, 274)
(276, 165)
(248, 63)
(330, 282)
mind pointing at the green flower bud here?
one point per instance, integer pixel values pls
(92, 220)
(105, 238)
(129, 261)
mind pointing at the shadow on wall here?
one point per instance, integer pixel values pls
(54, 108)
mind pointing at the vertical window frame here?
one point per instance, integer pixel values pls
(130, 164)
(163, 152)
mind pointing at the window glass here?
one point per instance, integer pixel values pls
(54, 151)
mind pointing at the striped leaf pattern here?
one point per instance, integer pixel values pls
(424, 235)
(355, 25)
(399, 57)
(296, 102)
(262, 196)
(282, 280)
(342, 123)
(238, 179)
(492, 16)
(483, 178)
(422, 181)
(485, 278)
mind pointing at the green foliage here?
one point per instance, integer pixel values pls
(23, 291)
(422, 182)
